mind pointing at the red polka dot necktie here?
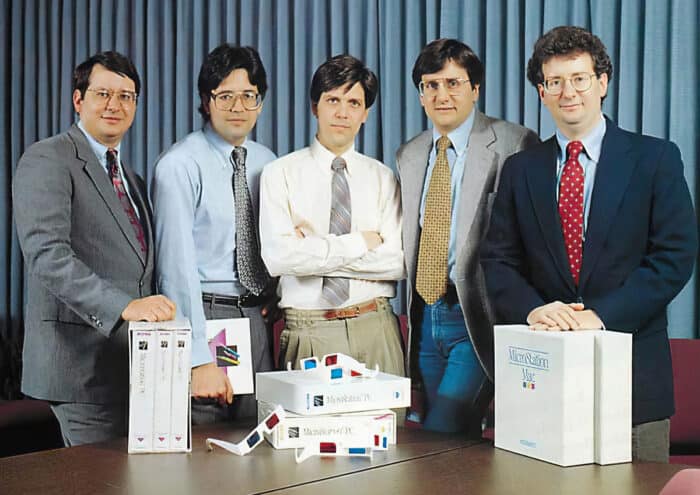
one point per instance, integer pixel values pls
(571, 207)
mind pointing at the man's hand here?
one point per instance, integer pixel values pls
(271, 312)
(151, 308)
(372, 239)
(211, 382)
(588, 320)
(555, 316)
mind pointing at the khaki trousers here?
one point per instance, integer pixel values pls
(371, 338)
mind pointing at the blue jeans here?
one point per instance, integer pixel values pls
(452, 375)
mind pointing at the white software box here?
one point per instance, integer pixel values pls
(356, 428)
(180, 419)
(163, 389)
(613, 397)
(557, 394)
(142, 357)
(159, 398)
(304, 393)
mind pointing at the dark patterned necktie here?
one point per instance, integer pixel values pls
(336, 290)
(433, 248)
(251, 270)
(118, 183)
(571, 207)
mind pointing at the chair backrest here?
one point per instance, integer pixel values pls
(684, 482)
(685, 424)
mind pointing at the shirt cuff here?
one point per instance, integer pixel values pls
(200, 353)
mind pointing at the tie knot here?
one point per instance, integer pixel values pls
(443, 143)
(238, 156)
(574, 149)
(338, 164)
(111, 156)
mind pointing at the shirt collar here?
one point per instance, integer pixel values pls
(98, 148)
(592, 142)
(459, 137)
(324, 157)
(220, 144)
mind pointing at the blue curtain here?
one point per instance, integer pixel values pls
(654, 46)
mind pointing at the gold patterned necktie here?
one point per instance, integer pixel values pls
(431, 275)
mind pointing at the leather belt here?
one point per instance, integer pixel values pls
(247, 300)
(351, 311)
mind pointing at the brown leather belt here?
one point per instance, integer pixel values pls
(351, 311)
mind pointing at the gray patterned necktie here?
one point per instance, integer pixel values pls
(336, 290)
(251, 270)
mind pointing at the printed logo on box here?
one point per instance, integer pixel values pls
(318, 400)
(530, 361)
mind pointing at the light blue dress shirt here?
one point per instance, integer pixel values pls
(100, 151)
(592, 144)
(457, 158)
(195, 226)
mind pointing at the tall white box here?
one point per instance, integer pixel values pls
(141, 389)
(358, 428)
(159, 392)
(613, 394)
(162, 389)
(303, 393)
(563, 397)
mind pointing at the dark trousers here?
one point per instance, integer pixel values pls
(243, 408)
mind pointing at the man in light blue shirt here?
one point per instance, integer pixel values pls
(454, 168)
(201, 262)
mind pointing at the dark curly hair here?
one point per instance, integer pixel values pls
(223, 60)
(567, 40)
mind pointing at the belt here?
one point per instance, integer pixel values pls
(351, 311)
(247, 300)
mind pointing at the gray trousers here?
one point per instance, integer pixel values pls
(244, 407)
(89, 423)
(650, 441)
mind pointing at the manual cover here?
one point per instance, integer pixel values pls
(229, 344)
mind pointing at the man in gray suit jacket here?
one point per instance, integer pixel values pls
(85, 230)
(448, 180)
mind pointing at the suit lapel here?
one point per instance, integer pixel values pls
(479, 163)
(612, 177)
(542, 185)
(412, 180)
(104, 187)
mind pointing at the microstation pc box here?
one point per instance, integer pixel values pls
(303, 393)
(564, 397)
(357, 428)
(159, 387)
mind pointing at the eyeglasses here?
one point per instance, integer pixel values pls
(103, 95)
(253, 439)
(226, 100)
(331, 449)
(336, 367)
(581, 82)
(453, 85)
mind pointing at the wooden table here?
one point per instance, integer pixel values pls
(422, 462)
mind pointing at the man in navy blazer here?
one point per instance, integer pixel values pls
(628, 241)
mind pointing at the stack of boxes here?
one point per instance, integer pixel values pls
(332, 404)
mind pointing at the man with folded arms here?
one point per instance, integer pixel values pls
(330, 226)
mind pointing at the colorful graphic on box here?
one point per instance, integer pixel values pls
(530, 362)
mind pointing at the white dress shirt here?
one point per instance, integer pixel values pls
(295, 192)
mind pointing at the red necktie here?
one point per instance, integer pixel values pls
(571, 207)
(118, 184)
